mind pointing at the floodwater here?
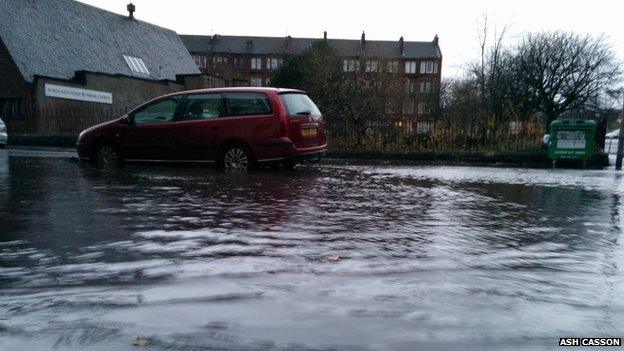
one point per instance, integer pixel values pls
(336, 256)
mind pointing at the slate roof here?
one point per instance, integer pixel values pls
(273, 45)
(56, 38)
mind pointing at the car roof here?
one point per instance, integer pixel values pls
(267, 90)
(239, 90)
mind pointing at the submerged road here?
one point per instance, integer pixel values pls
(337, 256)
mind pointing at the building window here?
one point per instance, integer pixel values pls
(200, 60)
(273, 63)
(428, 67)
(424, 127)
(424, 108)
(207, 81)
(426, 87)
(350, 65)
(515, 127)
(218, 61)
(392, 66)
(197, 60)
(239, 63)
(410, 67)
(255, 81)
(408, 107)
(409, 86)
(256, 63)
(10, 108)
(389, 107)
(136, 65)
(372, 65)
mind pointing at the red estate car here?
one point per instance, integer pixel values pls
(235, 127)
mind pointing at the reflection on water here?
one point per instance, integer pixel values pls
(336, 256)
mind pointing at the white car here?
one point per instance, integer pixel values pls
(3, 134)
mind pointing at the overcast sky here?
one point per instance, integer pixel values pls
(455, 21)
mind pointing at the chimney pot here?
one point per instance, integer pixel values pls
(324, 35)
(131, 8)
(363, 40)
(401, 46)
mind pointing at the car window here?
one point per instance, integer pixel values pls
(203, 106)
(246, 104)
(158, 112)
(299, 104)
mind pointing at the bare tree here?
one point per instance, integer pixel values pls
(493, 73)
(563, 71)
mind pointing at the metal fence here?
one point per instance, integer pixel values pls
(414, 135)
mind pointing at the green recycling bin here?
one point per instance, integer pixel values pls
(571, 139)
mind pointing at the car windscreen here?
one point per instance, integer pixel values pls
(299, 104)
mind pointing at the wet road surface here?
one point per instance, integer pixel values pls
(337, 256)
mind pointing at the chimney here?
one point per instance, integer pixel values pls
(325, 35)
(131, 8)
(288, 44)
(435, 39)
(363, 40)
(401, 46)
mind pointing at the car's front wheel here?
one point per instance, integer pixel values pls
(237, 158)
(107, 155)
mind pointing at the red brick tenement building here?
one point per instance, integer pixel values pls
(251, 61)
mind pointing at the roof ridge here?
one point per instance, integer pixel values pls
(293, 37)
(117, 14)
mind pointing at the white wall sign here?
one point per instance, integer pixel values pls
(64, 92)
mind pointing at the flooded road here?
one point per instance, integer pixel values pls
(337, 256)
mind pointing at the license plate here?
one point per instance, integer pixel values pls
(308, 132)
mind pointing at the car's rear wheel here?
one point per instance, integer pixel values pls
(237, 158)
(107, 155)
(289, 165)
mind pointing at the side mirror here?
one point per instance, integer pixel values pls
(126, 120)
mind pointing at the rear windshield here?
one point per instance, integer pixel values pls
(299, 104)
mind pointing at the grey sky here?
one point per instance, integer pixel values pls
(455, 21)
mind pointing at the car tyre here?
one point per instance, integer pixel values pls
(289, 165)
(107, 155)
(236, 158)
